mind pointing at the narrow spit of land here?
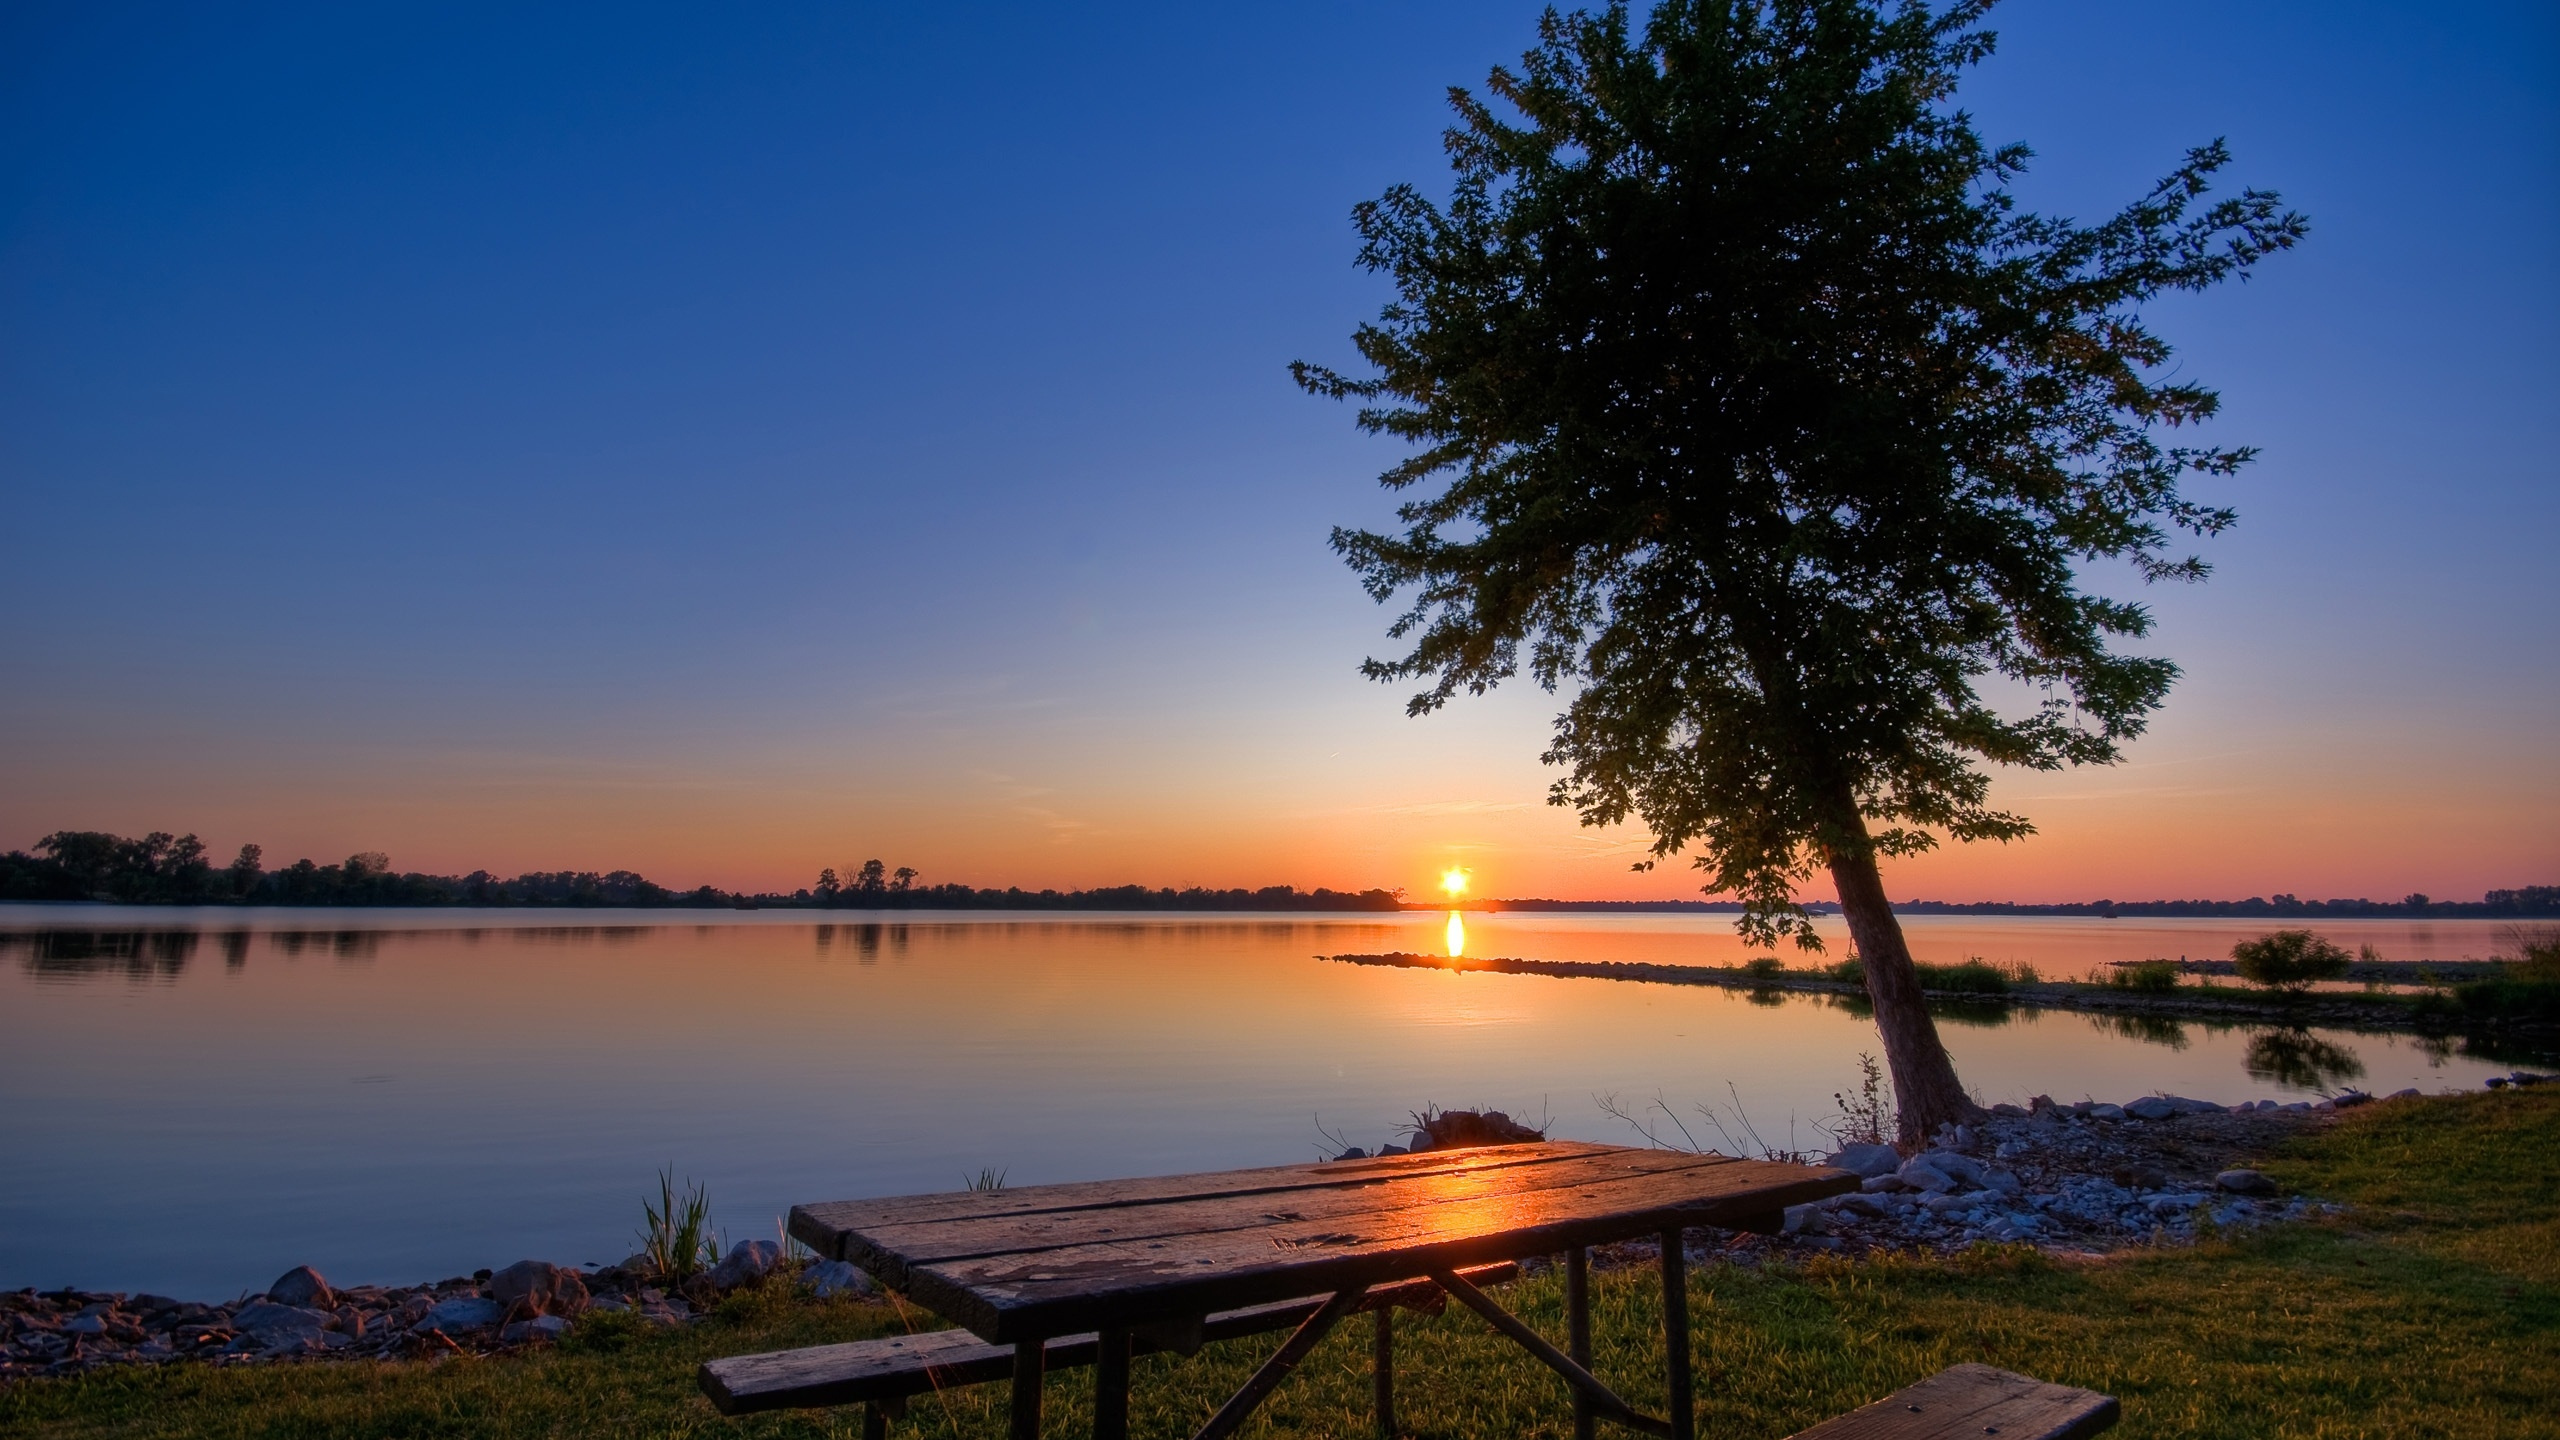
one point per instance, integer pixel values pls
(2425, 1013)
(2429, 1304)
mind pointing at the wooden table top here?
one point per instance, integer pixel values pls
(1047, 1260)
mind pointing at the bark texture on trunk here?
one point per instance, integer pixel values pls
(1925, 1089)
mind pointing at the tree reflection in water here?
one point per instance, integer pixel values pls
(2298, 1058)
(2149, 1029)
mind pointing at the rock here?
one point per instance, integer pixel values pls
(2527, 1077)
(541, 1328)
(1457, 1129)
(1883, 1185)
(2180, 1104)
(2409, 1094)
(2151, 1107)
(301, 1285)
(2176, 1204)
(538, 1287)
(267, 1321)
(1963, 1169)
(2141, 1177)
(1918, 1173)
(2245, 1182)
(2497, 1082)
(2010, 1149)
(1803, 1220)
(2013, 1112)
(462, 1313)
(1386, 1150)
(2106, 1112)
(1866, 1161)
(2349, 1099)
(1353, 1153)
(748, 1261)
(837, 1277)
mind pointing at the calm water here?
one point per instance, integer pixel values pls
(191, 1102)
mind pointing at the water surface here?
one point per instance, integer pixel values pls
(195, 1101)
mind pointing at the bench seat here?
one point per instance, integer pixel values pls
(888, 1370)
(1978, 1402)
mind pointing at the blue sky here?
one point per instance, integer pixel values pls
(724, 441)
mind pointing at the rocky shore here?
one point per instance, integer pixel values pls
(2087, 1178)
(302, 1317)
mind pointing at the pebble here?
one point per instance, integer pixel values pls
(748, 1261)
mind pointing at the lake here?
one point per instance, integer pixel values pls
(193, 1101)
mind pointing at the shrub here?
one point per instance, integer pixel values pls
(2510, 999)
(2145, 977)
(1766, 967)
(2537, 950)
(2288, 960)
(1975, 976)
(1852, 971)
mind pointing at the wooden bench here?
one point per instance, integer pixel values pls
(1976, 1401)
(884, 1374)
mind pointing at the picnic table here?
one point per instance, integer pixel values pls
(1149, 1260)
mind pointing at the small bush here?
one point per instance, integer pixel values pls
(2537, 951)
(1767, 967)
(1852, 971)
(2289, 960)
(2145, 977)
(1975, 976)
(2510, 999)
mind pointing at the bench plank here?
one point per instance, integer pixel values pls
(833, 1215)
(1005, 1297)
(902, 1245)
(1978, 1402)
(897, 1366)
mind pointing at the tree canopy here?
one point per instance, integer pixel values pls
(1750, 407)
(1751, 411)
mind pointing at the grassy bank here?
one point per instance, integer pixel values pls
(2433, 1309)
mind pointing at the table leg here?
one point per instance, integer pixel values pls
(1111, 1387)
(875, 1422)
(1675, 1335)
(1382, 1370)
(1027, 1358)
(1577, 1323)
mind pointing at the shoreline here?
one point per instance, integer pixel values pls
(2079, 1181)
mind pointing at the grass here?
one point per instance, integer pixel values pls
(2431, 1310)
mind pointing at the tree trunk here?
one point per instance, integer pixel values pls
(1925, 1090)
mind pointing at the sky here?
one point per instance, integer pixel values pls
(723, 441)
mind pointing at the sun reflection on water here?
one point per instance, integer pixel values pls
(1457, 936)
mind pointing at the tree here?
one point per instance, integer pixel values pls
(828, 886)
(2288, 960)
(1750, 409)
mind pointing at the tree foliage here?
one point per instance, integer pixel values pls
(1750, 410)
(2289, 960)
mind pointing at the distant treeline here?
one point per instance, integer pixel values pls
(162, 869)
(2531, 900)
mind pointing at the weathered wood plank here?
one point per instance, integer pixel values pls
(897, 1366)
(890, 1250)
(1002, 1297)
(817, 1225)
(1975, 1401)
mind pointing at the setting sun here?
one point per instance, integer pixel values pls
(1454, 881)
